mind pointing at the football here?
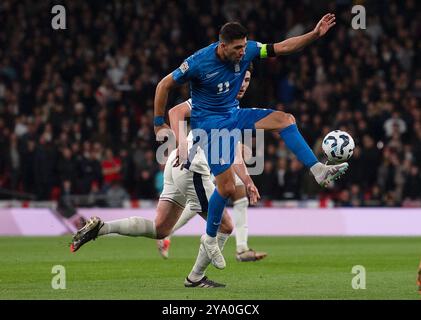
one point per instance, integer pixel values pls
(338, 146)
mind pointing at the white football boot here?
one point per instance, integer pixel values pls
(330, 173)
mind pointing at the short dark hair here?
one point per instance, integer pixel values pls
(232, 31)
(250, 68)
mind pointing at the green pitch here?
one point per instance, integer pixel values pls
(131, 268)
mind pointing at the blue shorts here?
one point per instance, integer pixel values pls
(218, 144)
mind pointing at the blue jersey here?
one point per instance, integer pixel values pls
(214, 84)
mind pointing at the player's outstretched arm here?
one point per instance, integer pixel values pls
(294, 44)
(161, 97)
(177, 116)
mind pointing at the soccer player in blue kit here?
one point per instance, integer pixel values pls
(215, 74)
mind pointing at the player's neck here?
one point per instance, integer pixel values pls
(219, 54)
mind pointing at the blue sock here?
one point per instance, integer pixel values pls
(296, 143)
(215, 210)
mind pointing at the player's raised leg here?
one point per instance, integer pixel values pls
(285, 124)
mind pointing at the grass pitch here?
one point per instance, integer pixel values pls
(115, 267)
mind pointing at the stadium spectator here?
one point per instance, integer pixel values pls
(65, 97)
(111, 167)
(116, 195)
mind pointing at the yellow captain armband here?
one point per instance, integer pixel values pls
(267, 50)
(264, 51)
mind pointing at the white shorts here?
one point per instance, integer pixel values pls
(170, 192)
(184, 187)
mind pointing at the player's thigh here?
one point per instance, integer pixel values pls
(276, 120)
(225, 183)
(248, 118)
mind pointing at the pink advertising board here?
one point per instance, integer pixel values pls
(261, 221)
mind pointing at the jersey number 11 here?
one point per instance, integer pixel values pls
(223, 87)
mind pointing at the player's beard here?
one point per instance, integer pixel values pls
(237, 60)
(233, 58)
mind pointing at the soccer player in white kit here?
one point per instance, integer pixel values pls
(200, 165)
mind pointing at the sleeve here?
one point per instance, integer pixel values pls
(188, 101)
(257, 50)
(186, 71)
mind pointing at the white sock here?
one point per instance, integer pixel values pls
(239, 214)
(222, 239)
(202, 260)
(210, 240)
(133, 226)
(317, 168)
(185, 217)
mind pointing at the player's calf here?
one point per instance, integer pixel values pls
(164, 227)
(226, 224)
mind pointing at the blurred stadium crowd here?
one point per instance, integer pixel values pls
(76, 104)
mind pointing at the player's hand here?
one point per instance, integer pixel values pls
(253, 193)
(327, 22)
(157, 129)
(181, 154)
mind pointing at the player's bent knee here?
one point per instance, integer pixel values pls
(285, 119)
(291, 119)
(227, 190)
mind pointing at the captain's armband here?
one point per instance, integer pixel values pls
(267, 50)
